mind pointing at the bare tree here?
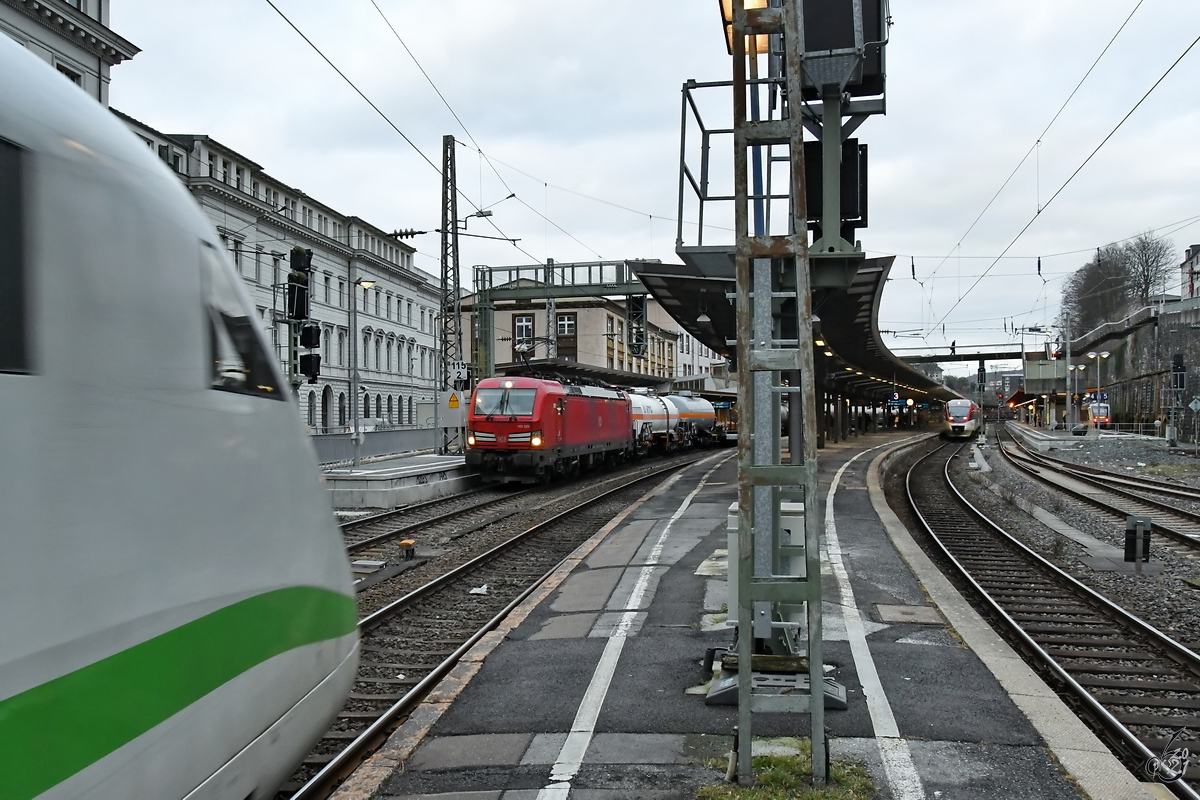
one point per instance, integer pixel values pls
(1099, 290)
(1151, 259)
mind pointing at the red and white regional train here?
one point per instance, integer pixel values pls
(525, 429)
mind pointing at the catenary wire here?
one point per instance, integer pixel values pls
(1034, 146)
(1067, 182)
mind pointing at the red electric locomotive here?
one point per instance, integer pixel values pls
(525, 430)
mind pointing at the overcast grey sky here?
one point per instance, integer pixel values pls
(582, 98)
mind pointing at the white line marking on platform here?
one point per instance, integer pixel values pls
(570, 757)
(898, 765)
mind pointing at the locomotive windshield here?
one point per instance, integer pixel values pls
(510, 402)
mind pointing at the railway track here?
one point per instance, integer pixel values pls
(366, 532)
(1117, 495)
(409, 645)
(1135, 685)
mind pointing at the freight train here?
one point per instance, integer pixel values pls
(529, 429)
(177, 615)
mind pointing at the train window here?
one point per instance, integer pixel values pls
(236, 351)
(14, 334)
(511, 402)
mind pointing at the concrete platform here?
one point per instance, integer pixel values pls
(398, 481)
(595, 688)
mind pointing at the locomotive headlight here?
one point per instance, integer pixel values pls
(535, 440)
(471, 437)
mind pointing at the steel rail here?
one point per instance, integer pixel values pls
(342, 764)
(362, 522)
(1191, 540)
(1148, 484)
(1121, 734)
(413, 527)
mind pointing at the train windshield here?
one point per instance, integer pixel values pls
(510, 402)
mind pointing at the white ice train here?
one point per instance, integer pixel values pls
(667, 422)
(176, 615)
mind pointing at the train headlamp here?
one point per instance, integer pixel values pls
(471, 438)
(535, 440)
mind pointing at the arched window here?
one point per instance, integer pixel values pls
(312, 409)
(341, 351)
(326, 404)
(390, 418)
(341, 409)
(410, 366)
(388, 363)
(379, 405)
(412, 412)
(366, 405)
(377, 343)
(327, 356)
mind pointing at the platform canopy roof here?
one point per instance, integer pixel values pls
(851, 356)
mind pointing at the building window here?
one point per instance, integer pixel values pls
(258, 266)
(388, 306)
(377, 302)
(341, 349)
(225, 168)
(239, 178)
(212, 165)
(71, 75)
(608, 324)
(237, 256)
(377, 361)
(566, 324)
(341, 293)
(409, 312)
(326, 290)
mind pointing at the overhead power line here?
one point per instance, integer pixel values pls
(1078, 169)
(1038, 141)
(388, 120)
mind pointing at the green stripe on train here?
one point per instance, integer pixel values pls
(52, 731)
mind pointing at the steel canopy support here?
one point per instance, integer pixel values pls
(772, 269)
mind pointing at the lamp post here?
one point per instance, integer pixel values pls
(1100, 379)
(355, 435)
(1076, 369)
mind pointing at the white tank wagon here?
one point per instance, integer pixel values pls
(695, 413)
(176, 610)
(667, 422)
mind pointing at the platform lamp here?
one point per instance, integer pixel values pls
(1099, 377)
(1076, 370)
(759, 44)
(355, 434)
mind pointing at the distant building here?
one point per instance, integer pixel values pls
(592, 332)
(260, 219)
(70, 35)
(1189, 286)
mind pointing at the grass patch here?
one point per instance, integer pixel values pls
(788, 777)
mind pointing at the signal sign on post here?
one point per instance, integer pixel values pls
(453, 402)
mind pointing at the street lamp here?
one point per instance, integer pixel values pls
(1100, 378)
(355, 435)
(1077, 369)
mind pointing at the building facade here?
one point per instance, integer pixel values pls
(360, 271)
(72, 36)
(593, 332)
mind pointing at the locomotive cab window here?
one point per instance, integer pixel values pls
(508, 402)
(238, 358)
(14, 343)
